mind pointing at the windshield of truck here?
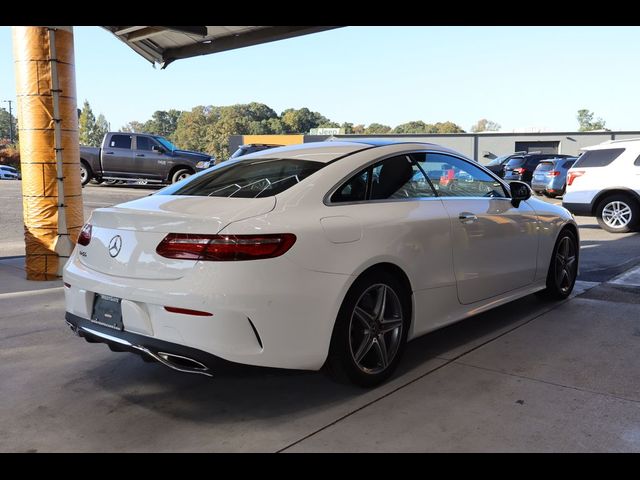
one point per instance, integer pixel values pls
(166, 143)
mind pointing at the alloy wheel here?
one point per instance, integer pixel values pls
(375, 329)
(565, 264)
(616, 214)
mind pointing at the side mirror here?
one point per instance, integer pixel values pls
(519, 191)
(157, 148)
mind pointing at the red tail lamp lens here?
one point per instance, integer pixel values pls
(186, 311)
(553, 173)
(573, 175)
(85, 235)
(224, 248)
(519, 171)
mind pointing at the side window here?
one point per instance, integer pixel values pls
(598, 158)
(453, 177)
(399, 177)
(144, 143)
(354, 190)
(637, 162)
(120, 141)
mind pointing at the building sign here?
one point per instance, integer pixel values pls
(326, 131)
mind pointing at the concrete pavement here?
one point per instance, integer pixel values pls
(528, 376)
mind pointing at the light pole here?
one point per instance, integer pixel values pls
(10, 120)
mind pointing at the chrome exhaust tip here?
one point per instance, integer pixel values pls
(171, 360)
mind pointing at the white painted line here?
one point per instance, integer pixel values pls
(630, 277)
(590, 246)
(28, 293)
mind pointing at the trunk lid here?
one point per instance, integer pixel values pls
(124, 237)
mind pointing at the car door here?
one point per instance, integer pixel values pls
(402, 222)
(117, 156)
(495, 244)
(149, 162)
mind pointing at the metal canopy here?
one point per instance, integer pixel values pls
(163, 45)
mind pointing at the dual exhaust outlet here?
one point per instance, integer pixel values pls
(170, 360)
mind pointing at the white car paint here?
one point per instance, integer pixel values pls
(621, 175)
(455, 269)
(8, 173)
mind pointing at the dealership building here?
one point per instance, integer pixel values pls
(482, 147)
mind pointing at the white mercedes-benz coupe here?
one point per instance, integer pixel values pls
(327, 254)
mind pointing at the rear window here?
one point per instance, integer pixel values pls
(545, 167)
(568, 164)
(598, 158)
(247, 179)
(515, 162)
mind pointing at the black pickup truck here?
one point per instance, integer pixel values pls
(139, 156)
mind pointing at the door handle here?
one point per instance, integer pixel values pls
(139, 154)
(466, 217)
(108, 153)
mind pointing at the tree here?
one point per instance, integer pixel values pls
(444, 127)
(586, 122)
(101, 128)
(484, 125)
(302, 120)
(163, 122)
(91, 130)
(133, 127)
(377, 129)
(416, 126)
(7, 122)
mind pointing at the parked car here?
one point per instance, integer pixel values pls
(323, 254)
(252, 148)
(9, 173)
(139, 156)
(521, 167)
(497, 164)
(605, 183)
(550, 176)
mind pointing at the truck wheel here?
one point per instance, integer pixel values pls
(85, 173)
(180, 174)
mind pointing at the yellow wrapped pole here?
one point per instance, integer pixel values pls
(49, 147)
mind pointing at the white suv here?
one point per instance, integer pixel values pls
(8, 173)
(605, 183)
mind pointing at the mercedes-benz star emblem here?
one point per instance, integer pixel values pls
(115, 244)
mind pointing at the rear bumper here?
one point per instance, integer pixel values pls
(260, 316)
(580, 209)
(172, 355)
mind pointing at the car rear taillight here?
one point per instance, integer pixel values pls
(187, 311)
(85, 235)
(224, 248)
(572, 175)
(519, 171)
(553, 174)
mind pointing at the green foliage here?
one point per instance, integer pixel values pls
(208, 128)
(587, 123)
(419, 126)
(6, 121)
(377, 129)
(303, 120)
(133, 127)
(91, 130)
(484, 125)
(163, 123)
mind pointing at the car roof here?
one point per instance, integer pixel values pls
(328, 151)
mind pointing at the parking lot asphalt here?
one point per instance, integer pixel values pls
(527, 376)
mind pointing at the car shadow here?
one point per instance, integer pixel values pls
(249, 392)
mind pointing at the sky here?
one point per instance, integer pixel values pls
(523, 78)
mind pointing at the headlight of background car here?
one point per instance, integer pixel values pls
(203, 164)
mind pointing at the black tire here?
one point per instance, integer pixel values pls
(349, 331)
(85, 173)
(627, 209)
(562, 274)
(181, 174)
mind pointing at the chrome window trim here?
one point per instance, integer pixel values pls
(327, 197)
